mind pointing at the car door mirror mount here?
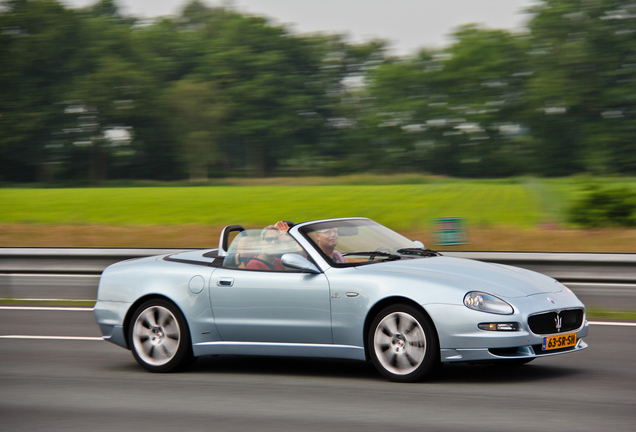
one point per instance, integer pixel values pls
(298, 262)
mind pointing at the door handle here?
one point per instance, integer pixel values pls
(225, 282)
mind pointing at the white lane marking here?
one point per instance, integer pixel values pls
(44, 300)
(79, 338)
(617, 324)
(48, 275)
(48, 308)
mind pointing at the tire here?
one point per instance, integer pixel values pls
(159, 337)
(402, 344)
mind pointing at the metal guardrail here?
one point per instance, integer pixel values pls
(563, 266)
(74, 272)
(580, 267)
(84, 261)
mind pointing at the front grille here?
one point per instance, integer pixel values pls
(546, 323)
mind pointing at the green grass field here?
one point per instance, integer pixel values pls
(398, 206)
(401, 202)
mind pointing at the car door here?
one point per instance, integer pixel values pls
(271, 306)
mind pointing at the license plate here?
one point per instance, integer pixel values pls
(560, 341)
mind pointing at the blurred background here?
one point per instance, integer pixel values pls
(534, 104)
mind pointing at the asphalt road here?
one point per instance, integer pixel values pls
(85, 384)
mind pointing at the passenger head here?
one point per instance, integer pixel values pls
(270, 240)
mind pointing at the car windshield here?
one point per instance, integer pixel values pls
(359, 241)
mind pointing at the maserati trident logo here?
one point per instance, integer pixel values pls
(558, 321)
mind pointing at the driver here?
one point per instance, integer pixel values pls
(327, 240)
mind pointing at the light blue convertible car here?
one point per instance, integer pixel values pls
(341, 288)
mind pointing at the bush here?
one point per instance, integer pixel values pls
(604, 207)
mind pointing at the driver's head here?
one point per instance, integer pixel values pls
(327, 239)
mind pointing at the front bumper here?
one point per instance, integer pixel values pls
(462, 341)
(449, 355)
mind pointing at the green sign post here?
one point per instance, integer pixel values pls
(450, 231)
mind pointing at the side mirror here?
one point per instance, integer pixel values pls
(419, 244)
(298, 262)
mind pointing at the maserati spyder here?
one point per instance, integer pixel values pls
(338, 288)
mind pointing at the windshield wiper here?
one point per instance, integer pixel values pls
(419, 251)
(373, 254)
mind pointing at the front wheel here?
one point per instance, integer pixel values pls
(159, 337)
(403, 344)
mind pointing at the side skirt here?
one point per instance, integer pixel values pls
(279, 349)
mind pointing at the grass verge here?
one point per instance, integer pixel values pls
(479, 238)
(43, 302)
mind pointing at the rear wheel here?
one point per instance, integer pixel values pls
(403, 344)
(159, 337)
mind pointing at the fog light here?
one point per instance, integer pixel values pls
(499, 326)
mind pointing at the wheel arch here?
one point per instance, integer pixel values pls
(389, 301)
(133, 307)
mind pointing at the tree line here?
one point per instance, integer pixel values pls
(90, 94)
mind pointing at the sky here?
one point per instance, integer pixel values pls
(407, 24)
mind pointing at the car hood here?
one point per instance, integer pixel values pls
(497, 279)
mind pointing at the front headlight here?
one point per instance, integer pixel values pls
(483, 302)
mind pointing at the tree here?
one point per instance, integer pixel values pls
(107, 87)
(484, 74)
(456, 111)
(583, 86)
(196, 112)
(266, 76)
(39, 53)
